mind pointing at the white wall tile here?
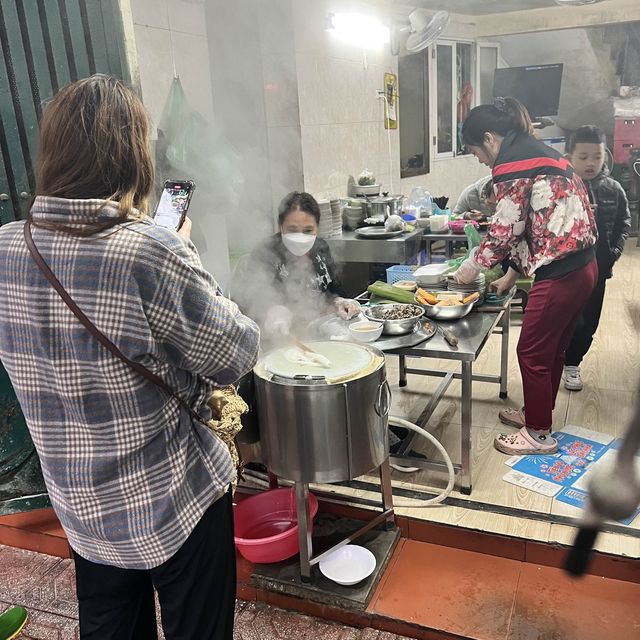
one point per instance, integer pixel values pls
(156, 69)
(285, 160)
(187, 17)
(448, 177)
(191, 55)
(280, 89)
(335, 91)
(150, 13)
(276, 25)
(331, 153)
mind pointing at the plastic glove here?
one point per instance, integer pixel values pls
(468, 270)
(347, 308)
(278, 321)
(614, 490)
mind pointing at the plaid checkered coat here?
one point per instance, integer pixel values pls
(128, 471)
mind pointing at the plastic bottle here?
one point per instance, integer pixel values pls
(427, 205)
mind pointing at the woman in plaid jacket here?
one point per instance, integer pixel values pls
(139, 485)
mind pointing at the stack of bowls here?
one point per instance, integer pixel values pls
(353, 216)
(325, 228)
(479, 285)
(336, 217)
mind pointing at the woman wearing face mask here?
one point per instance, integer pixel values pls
(298, 275)
(543, 224)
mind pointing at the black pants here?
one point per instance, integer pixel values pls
(196, 588)
(586, 327)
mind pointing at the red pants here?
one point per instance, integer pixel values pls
(552, 312)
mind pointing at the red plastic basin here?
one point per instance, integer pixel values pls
(266, 525)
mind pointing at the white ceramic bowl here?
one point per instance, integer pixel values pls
(364, 334)
(348, 565)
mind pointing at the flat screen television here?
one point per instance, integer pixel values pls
(537, 87)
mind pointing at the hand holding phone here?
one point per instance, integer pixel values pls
(174, 202)
(185, 229)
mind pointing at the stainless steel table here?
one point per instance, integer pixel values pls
(350, 248)
(473, 333)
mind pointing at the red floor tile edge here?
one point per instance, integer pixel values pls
(531, 551)
(361, 619)
(40, 531)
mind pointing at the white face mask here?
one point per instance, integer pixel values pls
(298, 243)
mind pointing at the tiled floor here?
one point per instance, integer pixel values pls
(488, 598)
(428, 591)
(45, 585)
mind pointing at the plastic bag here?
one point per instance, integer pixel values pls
(473, 236)
(473, 240)
(189, 147)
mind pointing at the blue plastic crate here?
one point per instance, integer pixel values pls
(400, 272)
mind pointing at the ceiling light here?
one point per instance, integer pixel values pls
(575, 3)
(358, 30)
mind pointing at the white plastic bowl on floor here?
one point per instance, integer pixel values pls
(348, 565)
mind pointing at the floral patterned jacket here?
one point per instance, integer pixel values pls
(542, 214)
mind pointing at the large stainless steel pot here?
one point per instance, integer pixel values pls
(381, 207)
(319, 430)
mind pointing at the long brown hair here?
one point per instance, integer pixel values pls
(94, 143)
(501, 117)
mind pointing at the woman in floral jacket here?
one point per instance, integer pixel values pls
(545, 227)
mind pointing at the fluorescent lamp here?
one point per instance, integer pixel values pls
(358, 30)
(575, 3)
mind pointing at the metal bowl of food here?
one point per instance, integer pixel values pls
(397, 319)
(448, 312)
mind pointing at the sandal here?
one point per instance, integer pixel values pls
(522, 444)
(512, 417)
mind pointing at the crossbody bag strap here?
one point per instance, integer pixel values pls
(94, 331)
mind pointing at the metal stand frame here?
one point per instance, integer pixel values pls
(307, 559)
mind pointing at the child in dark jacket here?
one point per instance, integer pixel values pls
(586, 151)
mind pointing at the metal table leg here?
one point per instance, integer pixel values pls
(387, 492)
(467, 381)
(402, 365)
(304, 530)
(505, 324)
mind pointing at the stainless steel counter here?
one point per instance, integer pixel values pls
(349, 248)
(473, 333)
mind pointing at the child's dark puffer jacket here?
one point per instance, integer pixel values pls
(612, 217)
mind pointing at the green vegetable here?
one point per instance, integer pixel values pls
(389, 292)
(493, 274)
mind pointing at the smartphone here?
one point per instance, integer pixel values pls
(174, 203)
